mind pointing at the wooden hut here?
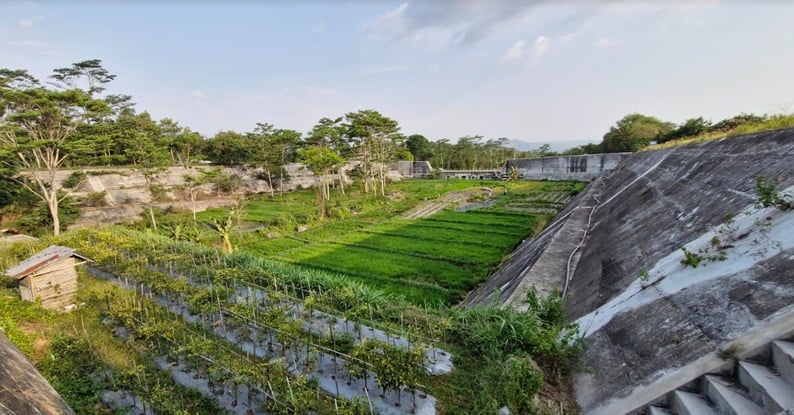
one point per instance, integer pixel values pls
(50, 276)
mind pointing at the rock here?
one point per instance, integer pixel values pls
(302, 228)
(504, 411)
(273, 235)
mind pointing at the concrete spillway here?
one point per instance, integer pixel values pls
(651, 322)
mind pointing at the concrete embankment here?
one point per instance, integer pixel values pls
(22, 389)
(651, 322)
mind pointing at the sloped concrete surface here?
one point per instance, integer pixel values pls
(23, 391)
(652, 323)
(504, 284)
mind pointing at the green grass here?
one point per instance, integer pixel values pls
(434, 232)
(774, 122)
(429, 260)
(460, 252)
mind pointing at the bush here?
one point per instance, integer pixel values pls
(96, 199)
(74, 180)
(691, 259)
(768, 194)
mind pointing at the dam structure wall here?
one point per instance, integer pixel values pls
(670, 265)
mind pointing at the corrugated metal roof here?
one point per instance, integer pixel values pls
(50, 255)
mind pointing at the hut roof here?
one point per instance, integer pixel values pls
(50, 255)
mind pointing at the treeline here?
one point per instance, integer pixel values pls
(636, 131)
(106, 130)
(70, 121)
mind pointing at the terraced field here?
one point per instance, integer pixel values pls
(429, 260)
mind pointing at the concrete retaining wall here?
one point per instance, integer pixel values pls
(646, 316)
(585, 167)
(469, 174)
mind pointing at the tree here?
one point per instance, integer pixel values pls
(151, 173)
(35, 124)
(689, 128)
(192, 185)
(182, 143)
(287, 143)
(634, 132)
(419, 146)
(135, 138)
(270, 149)
(224, 229)
(227, 148)
(376, 139)
(93, 72)
(320, 160)
(330, 133)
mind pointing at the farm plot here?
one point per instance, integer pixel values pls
(198, 307)
(436, 259)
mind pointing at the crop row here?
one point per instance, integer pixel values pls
(193, 346)
(336, 295)
(249, 319)
(454, 252)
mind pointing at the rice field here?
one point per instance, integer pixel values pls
(432, 260)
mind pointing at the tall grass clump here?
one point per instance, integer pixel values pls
(518, 352)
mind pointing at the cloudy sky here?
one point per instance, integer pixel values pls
(540, 71)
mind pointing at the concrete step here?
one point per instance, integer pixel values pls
(655, 410)
(766, 387)
(783, 359)
(688, 403)
(728, 398)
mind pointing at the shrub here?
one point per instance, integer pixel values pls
(74, 180)
(691, 259)
(96, 199)
(768, 194)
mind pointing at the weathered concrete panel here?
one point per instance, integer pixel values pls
(584, 167)
(651, 323)
(652, 205)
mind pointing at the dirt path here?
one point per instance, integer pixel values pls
(432, 207)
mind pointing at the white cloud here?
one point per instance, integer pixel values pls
(318, 28)
(567, 38)
(29, 22)
(541, 46)
(387, 25)
(197, 94)
(447, 23)
(605, 42)
(515, 52)
(26, 23)
(689, 6)
(365, 70)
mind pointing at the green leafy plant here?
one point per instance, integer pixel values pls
(768, 194)
(691, 259)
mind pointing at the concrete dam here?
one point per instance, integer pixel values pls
(681, 282)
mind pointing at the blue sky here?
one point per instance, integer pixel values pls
(539, 71)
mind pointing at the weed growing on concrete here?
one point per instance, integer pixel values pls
(691, 259)
(769, 195)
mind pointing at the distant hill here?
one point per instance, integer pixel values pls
(555, 145)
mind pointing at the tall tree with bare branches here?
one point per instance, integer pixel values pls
(35, 123)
